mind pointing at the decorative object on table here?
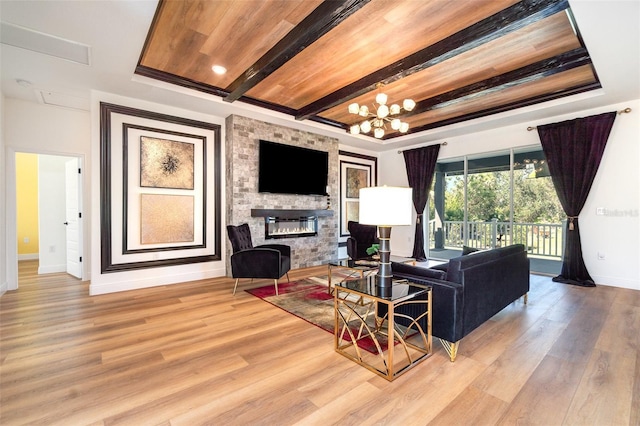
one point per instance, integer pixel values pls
(373, 250)
(263, 261)
(385, 206)
(361, 238)
(383, 114)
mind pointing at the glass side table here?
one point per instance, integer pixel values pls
(387, 331)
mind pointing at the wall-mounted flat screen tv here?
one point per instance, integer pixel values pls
(287, 169)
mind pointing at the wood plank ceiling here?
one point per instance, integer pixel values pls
(458, 60)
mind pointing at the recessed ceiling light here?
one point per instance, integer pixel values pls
(219, 69)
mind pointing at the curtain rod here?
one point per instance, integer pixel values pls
(624, 111)
(401, 150)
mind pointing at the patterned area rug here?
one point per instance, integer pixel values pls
(310, 300)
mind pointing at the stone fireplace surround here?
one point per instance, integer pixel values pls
(241, 151)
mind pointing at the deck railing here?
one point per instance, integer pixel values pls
(541, 239)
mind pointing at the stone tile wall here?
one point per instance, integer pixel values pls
(241, 147)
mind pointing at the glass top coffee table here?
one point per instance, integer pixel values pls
(372, 322)
(359, 268)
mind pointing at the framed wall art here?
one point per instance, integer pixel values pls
(356, 171)
(159, 189)
(166, 219)
(166, 163)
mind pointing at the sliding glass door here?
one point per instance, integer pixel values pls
(493, 200)
(488, 194)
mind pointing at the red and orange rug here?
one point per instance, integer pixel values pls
(308, 299)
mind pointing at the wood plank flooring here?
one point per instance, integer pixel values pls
(193, 354)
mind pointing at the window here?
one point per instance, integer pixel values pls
(492, 200)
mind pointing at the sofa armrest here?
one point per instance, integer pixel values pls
(284, 249)
(418, 271)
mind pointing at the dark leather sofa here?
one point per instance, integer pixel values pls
(470, 290)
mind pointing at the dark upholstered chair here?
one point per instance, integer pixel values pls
(361, 238)
(264, 261)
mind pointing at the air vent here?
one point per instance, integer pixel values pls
(67, 101)
(35, 41)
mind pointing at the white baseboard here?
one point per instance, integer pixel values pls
(616, 282)
(50, 269)
(140, 283)
(28, 256)
(3, 288)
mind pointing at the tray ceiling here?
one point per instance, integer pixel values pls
(458, 60)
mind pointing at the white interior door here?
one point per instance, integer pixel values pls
(73, 219)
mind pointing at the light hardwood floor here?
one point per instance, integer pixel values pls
(192, 353)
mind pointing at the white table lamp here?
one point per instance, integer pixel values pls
(385, 206)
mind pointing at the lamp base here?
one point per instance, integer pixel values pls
(384, 272)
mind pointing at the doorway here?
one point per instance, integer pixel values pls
(58, 206)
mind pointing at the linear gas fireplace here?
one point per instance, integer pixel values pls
(275, 227)
(281, 223)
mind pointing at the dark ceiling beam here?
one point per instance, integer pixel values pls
(504, 22)
(323, 19)
(536, 71)
(503, 108)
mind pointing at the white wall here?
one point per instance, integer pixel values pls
(43, 129)
(52, 214)
(616, 189)
(3, 196)
(142, 278)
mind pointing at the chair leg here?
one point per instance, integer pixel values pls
(235, 286)
(526, 298)
(288, 280)
(276, 284)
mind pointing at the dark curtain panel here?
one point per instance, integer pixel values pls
(573, 150)
(421, 164)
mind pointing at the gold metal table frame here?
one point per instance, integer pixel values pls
(370, 338)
